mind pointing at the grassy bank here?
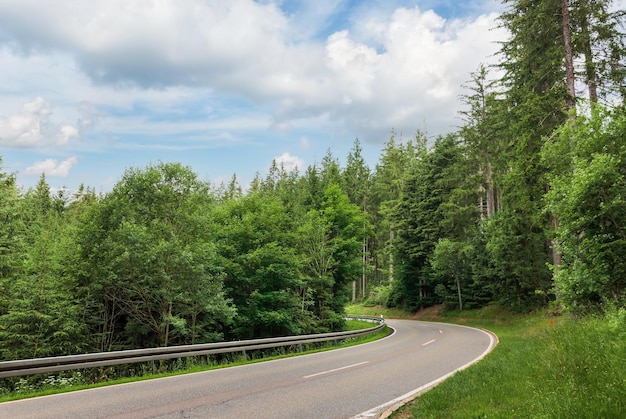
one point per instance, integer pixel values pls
(543, 367)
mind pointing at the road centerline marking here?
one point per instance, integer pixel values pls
(336, 369)
(429, 342)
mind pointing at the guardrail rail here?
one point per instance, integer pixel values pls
(72, 362)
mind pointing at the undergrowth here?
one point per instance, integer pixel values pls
(543, 367)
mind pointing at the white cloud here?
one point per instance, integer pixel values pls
(66, 133)
(411, 71)
(30, 127)
(289, 162)
(393, 69)
(25, 128)
(151, 43)
(418, 75)
(52, 168)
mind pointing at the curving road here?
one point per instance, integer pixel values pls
(361, 381)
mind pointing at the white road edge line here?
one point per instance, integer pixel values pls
(336, 369)
(390, 406)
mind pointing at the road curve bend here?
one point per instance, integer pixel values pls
(363, 381)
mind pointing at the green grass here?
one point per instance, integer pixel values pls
(27, 387)
(543, 367)
(391, 313)
(358, 325)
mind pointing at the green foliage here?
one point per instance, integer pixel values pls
(261, 266)
(452, 270)
(287, 268)
(40, 289)
(331, 244)
(540, 368)
(149, 243)
(378, 296)
(588, 195)
(516, 250)
(387, 182)
(436, 203)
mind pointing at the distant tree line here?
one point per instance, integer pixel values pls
(524, 205)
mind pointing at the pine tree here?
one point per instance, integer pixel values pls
(536, 99)
(433, 206)
(484, 136)
(387, 184)
(357, 179)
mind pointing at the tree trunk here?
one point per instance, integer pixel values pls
(194, 318)
(590, 67)
(481, 204)
(569, 56)
(570, 102)
(364, 272)
(458, 290)
(391, 239)
(166, 332)
(490, 194)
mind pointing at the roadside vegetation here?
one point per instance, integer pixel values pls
(545, 366)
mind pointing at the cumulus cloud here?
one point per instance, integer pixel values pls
(52, 168)
(392, 69)
(30, 127)
(66, 133)
(151, 43)
(25, 128)
(289, 162)
(416, 76)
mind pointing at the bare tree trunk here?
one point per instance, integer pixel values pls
(590, 67)
(364, 268)
(391, 239)
(458, 290)
(491, 204)
(166, 336)
(481, 204)
(194, 320)
(570, 102)
(569, 56)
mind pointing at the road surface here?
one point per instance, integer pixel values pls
(361, 381)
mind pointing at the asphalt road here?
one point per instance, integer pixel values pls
(361, 381)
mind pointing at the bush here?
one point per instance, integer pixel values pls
(378, 296)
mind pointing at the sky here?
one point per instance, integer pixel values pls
(94, 87)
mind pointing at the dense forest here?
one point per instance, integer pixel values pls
(524, 205)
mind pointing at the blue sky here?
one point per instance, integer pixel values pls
(91, 88)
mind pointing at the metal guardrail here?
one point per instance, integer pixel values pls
(71, 362)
